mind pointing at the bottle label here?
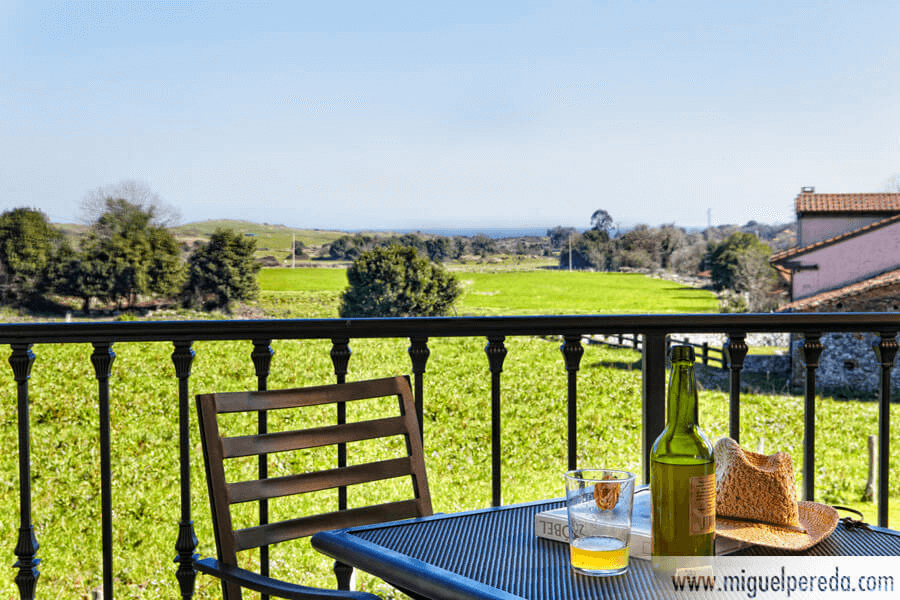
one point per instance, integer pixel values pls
(703, 504)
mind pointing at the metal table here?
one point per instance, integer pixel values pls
(494, 553)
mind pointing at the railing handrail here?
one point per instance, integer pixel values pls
(200, 330)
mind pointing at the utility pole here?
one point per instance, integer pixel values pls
(570, 252)
(293, 250)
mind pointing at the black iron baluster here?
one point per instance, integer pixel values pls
(21, 360)
(102, 358)
(418, 354)
(340, 358)
(735, 350)
(811, 350)
(496, 353)
(262, 360)
(182, 358)
(653, 372)
(885, 351)
(572, 351)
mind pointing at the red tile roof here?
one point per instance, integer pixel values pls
(847, 203)
(854, 289)
(827, 242)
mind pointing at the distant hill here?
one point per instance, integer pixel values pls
(271, 240)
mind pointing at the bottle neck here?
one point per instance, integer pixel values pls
(681, 409)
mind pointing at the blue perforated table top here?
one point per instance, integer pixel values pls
(494, 553)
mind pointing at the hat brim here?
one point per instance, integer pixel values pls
(819, 520)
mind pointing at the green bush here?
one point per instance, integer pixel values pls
(397, 282)
(222, 272)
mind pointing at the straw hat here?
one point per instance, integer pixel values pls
(756, 501)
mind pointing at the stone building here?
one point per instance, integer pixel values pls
(847, 260)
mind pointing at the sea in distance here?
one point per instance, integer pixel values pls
(491, 232)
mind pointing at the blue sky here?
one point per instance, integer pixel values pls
(356, 115)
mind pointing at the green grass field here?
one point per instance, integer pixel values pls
(65, 454)
(504, 292)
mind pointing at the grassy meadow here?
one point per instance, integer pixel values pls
(65, 454)
(500, 292)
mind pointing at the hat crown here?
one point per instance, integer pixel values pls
(755, 486)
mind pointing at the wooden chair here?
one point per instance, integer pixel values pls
(292, 403)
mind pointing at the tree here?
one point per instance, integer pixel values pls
(688, 259)
(222, 272)
(349, 247)
(722, 258)
(589, 250)
(671, 240)
(397, 281)
(637, 248)
(482, 245)
(165, 271)
(127, 255)
(88, 274)
(30, 248)
(602, 222)
(438, 248)
(137, 193)
(755, 278)
(460, 245)
(559, 236)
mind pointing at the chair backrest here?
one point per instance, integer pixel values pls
(218, 449)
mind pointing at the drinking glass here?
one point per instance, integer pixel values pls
(598, 503)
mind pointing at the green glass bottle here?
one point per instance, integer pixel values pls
(682, 471)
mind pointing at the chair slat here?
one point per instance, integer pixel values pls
(228, 402)
(258, 489)
(261, 535)
(250, 445)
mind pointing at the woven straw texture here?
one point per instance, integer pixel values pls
(818, 521)
(755, 486)
(756, 501)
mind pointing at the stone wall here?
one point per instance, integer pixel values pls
(771, 364)
(847, 362)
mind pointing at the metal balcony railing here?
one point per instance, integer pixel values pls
(653, 330)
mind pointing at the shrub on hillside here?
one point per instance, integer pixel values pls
(222, 272)
(397, 281)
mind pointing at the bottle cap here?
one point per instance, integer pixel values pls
(682, 353)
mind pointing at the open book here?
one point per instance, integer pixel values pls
(554, 525)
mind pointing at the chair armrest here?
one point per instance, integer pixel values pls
(273, 587)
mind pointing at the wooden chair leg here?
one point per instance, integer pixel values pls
(343, 572)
